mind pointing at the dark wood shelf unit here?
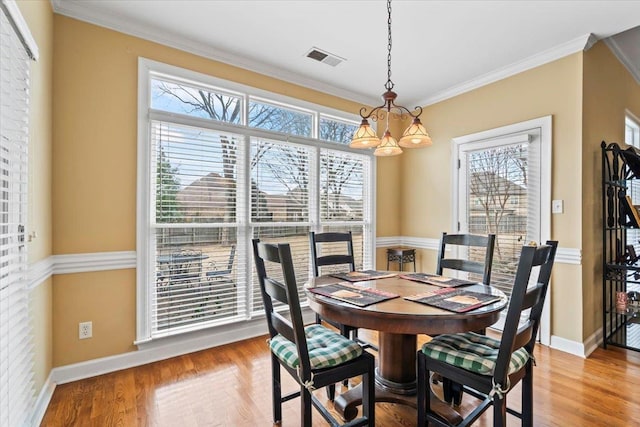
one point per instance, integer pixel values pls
(620, 274)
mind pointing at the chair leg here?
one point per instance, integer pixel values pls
(368, 396)
(305, 407)
(345, 331)
(456, 392)
(527, 397)
(318, 319)
(500, 412)
(276, 391)
(331, 392)
(423, 403)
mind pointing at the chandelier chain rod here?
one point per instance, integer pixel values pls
(389, 84)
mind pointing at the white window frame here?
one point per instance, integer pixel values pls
(632, 121)
(145, 267)
(545, 126)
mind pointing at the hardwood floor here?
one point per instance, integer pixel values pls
(230, 386)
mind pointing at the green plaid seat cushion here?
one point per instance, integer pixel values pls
(471, 351)
(326, 348)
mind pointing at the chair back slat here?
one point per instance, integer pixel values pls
(523, 336)
(469, 240)
(283, 326)
(333, 260)
(331, 237)
(276, 290)
(319, 260)
(532, 296)
(463, 265)
(287, 293)
(514, 336)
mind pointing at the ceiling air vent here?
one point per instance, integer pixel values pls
(324, 57)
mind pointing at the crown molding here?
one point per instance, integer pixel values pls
(81, 12)
(634, 69)
(582, 43)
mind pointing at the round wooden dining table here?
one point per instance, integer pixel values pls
(398, 322)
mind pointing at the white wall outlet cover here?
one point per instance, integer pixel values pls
(557, 206)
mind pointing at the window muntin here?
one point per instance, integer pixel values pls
(191, 100)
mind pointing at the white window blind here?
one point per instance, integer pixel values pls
(501, 182)
(280, 175)
(16, 348)
(198, 281)
(344, 201)
(221, 163)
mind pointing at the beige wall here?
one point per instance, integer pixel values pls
(552, 89)
(94, 173)
(39, 18)
(95, 85)
(609, 90)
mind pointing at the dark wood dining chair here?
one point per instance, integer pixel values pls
(489, 368)
(314, 356)
(485, 244)
(345, 258)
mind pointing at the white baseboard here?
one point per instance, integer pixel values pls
(165, 348)
(42, 402)
(583, 349)
(593, 342)
(160, 350)
(568, 346)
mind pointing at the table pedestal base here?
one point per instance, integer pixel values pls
(346, 404)
(395, 379)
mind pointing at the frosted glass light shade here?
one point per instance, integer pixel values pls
(388, 146)
(415, 136)
(365, 137)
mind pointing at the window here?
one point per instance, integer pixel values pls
(16, 359)
(220, 164)
(503, 187)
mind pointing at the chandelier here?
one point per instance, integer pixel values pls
(413, 137)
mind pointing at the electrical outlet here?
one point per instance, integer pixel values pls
(85, 330)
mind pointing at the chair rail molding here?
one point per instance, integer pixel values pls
(96, 261)
(563, 255)
(43, 269)
(39, 271)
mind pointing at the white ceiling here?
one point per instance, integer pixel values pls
(440, 48)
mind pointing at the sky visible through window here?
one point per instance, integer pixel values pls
(189, 149)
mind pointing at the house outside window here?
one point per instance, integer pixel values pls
(220, 164)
